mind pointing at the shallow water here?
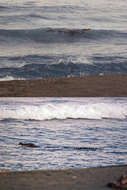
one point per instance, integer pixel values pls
(70, 132)
(41, 39)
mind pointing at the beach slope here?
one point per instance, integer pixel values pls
(90, 86)
(81, 179)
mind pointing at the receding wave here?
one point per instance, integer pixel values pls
(50, 35)
(49, 111)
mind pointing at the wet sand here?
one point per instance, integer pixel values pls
(78, 179)
(91, 86)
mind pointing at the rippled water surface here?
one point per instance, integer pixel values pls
(70, 132)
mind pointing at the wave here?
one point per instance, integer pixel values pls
(73, 110)
(36, 71)
(58, 35)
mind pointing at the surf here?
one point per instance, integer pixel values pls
(62, 111)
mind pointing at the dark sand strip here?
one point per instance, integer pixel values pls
(80, 179)
(91, 86)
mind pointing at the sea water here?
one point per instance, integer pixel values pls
(61, 38)
(70, 132)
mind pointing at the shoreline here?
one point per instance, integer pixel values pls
(89, 86)
(85, 178)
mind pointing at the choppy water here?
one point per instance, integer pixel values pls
(40, 39)
(70, 132)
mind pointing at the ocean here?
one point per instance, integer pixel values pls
(54, 38)
(51, 39)
(70, 133)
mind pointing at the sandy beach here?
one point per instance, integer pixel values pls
(90, 86)
(81, 179)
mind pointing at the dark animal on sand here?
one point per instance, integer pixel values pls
(120, 184)
(123, 179)
(31, 145)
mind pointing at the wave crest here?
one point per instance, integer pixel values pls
(48, 111)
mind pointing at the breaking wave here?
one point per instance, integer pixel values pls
(73, 110)
(36, 71)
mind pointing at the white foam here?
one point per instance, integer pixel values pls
(8, 78)
(73, 110)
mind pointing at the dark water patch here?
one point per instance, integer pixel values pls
(108, 59)
(38, 16)
(81, 148)
(70, 148)
(119, 153)
(29, 3)
(3, 8)
(11, 121)
(61, 35)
